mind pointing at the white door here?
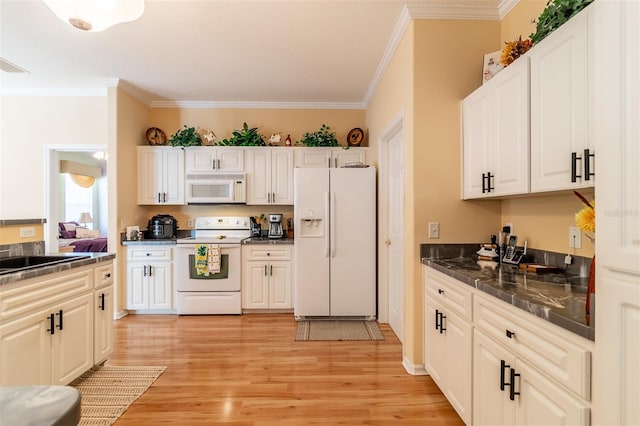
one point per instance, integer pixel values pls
(396, 233)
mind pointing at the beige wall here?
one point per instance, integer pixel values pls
(518, 21)
(28, 124)
(10, 234)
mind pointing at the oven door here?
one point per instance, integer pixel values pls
(228, 279)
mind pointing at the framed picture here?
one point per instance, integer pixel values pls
(491, 65)
(132, 232)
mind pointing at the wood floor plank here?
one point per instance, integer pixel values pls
(249, 371)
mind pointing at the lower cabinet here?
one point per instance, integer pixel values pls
(149, 277)
(51, 345)
(509, 391)
(103, 313)
(267, 276)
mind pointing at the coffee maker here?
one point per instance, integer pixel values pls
(275, 226)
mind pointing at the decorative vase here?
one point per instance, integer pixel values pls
(591, 286)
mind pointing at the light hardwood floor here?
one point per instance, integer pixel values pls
(249, 371)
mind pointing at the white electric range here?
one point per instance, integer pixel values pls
(217, 293)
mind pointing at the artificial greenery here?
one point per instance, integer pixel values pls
(556, 13)
(186, 137)
(244, 137)
(323, 137)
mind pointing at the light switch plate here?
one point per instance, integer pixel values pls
(434, 229)
(575, 237)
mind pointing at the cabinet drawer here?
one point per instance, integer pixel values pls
(546, 346)
(149, 253)
(267, 252)
(445, 290)
(103, 275)
(37, 293)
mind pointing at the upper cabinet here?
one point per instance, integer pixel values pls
(160, 175)
(562, 154)
(496, 135)
(203, 159)
(329, 157)
(269, 176)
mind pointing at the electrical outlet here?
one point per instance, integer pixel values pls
(575, 237)
(190, 223)
(434, 230)
(27, 232)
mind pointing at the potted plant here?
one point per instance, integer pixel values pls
(244, 137)
(322, 137)
(186, 136)
(556, 13)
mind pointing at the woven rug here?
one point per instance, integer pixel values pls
(108, 391)
(338, 330)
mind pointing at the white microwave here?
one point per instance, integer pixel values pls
(216, 188)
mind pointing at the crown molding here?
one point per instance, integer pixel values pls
(62, 92)
(472, 10)
(257, 105)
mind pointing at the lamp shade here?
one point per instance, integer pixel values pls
(96, 15)
(85, 218)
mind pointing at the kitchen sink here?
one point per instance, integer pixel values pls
(18, 263)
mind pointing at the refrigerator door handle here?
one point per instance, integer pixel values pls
(332, 223)
(326, 221)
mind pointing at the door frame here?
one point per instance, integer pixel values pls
(395, 125)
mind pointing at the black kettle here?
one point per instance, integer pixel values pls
(162, 227)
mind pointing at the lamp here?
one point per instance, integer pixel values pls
(85, 218)
(96, 15)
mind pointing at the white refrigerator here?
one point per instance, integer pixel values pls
(335, 242)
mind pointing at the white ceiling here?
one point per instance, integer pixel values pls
(295, 52)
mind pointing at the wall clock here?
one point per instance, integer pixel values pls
(355, 136)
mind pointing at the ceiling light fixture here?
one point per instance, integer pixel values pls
(96, 15)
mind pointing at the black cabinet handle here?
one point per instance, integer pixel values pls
(271, 270)
(52, 326)
(144, 271)
(503, 366)
(437, 319)
(440, 291)
(587, 164)
(60, 322)
(107, 275)
(149, 270)
(265, 270)
(101, 306)
(574, 167)
(442, 327)
(510, 334)
(484, 188)
(164, 197)
(512, 389)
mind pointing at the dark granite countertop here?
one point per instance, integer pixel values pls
(149, 242)
(266, 240)
(87, 259)
(556, 297)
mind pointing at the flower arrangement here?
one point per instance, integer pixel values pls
(586, 217)
(514, 49)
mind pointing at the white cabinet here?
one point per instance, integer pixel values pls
(329, 157)
(269, 176)
(267, 276)
(562, 149)
(616, 380)
(46, 329)
(448, 338)
(149, 277)
(160, 175)
(527, 371)
(103, 315)
(496, 135)
(205, 159)
(509, 391)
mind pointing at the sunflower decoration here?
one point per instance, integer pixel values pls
(514, 49)
(586, 217)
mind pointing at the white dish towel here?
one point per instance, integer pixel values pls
(213, 258)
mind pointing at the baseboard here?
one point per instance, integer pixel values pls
(120, 314)
(414, 369)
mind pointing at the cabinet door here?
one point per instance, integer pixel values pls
(160, 286)
(230, 159)
(258, 176)
(542, 402)
(25, 350)
(173, 177)
(150, 175)
(476, 130)
(280, 285)
(351, 155)
(103, 324)
(313, 157)
(72, 350)
(200, 159)
(255, 285)
(282, 176)
(434, 360)
(491, 405)
(559, 106)
(458, 360)
(137, 286)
